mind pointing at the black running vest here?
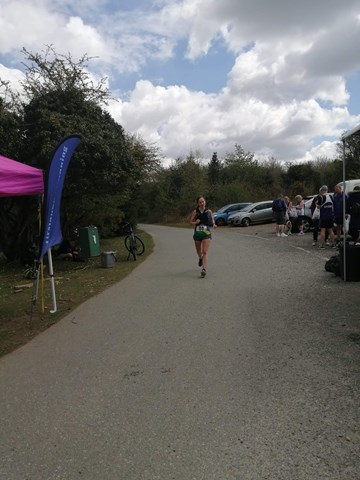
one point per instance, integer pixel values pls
(203, 217)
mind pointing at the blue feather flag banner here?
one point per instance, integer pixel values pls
(52, 234)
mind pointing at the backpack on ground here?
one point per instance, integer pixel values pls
(333, 265)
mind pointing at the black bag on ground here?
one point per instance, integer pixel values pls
(333, 265)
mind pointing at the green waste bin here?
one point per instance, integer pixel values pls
(89, 242)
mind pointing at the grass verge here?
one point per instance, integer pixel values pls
(75, 282)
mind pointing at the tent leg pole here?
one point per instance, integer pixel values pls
(344, 193)
(35, 299)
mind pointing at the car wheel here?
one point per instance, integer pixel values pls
(245, 222)
(307, 224)
(220, 222)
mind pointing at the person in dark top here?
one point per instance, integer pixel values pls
(315, 220)
(353, 209)
(325, 204)
(279, 208)
(338, 199)
(202, 219)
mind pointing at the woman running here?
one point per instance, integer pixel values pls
(202, 218)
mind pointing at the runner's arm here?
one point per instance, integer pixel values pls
(193, 219)
(212, 219)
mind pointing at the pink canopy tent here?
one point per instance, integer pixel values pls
(19, 179)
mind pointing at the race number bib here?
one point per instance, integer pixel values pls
(202, 230)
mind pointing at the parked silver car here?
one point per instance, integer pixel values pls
(258, 212)
(221, 215)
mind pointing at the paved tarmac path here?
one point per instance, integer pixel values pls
(251, 373)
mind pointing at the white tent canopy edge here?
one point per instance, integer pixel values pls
(350, 133)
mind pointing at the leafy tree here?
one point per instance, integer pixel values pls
(50, 71)
(10, 139)
(352, 156)
(153, 202)
(100, 168)
(109, 165)
(188, 180)
(146, 167)
(273, 177)
(242, 166)
(326, 172)
(238, 165)
(16, 213)
(60, 99)
(214, 170)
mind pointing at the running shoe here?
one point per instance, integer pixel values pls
(203, 272)
(200, 262)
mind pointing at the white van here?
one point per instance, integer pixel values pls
(350, 184)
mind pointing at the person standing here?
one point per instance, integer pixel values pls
(315, 215)
(288, 222)
(293, 216)
(300, 208)
(326, 223)
(279, 209)
(353, 209)
(202, 219)
(339, 197)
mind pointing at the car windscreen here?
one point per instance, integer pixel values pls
(222, 209)
(248, 208)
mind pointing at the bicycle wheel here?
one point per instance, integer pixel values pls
(127, 243)
(136, 243)
(134, 246)
(130, 246)
(140, 247)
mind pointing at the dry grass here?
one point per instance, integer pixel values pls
(75, 282)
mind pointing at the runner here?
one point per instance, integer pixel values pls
(202, 218)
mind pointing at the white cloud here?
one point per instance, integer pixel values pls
(85, 37)
(24, 24)
(285, 93)
(13, 76)
(324, 149)
(181, 120)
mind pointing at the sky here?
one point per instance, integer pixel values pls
(281, 78)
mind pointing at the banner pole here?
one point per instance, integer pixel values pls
(42, 286)
(52, 280)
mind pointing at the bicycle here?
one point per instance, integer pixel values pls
(133, 244)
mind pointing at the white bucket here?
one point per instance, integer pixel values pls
(108, 259)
